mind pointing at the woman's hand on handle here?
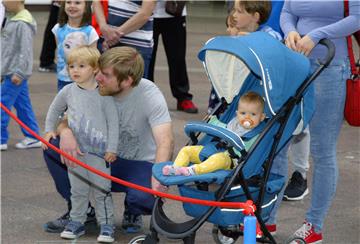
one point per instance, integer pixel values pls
(291, 40)
(305, 45)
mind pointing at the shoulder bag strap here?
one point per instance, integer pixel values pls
(354, 70)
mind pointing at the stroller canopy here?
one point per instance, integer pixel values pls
(255, 62)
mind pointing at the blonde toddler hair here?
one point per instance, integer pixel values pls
(87, 54)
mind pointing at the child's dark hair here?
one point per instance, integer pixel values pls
(230, 19)
(262, 7)
(86, 19)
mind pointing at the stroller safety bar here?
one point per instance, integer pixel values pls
(216, 131)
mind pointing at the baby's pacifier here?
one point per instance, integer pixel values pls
(247, 123)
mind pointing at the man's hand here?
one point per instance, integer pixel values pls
(156, 186)
(47, 138)
(16, 80)
(291, 40)
(110, 157)
(69, 145)
(305, 45)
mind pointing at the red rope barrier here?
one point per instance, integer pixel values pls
(248, 206)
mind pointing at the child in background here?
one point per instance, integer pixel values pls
(231, 24)
(94, 122)
(250, 15)
(16, 68)
(244, 18)
(73, 30)
(249, 114)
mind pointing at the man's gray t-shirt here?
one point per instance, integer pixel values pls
(141, 110)
(92, 118)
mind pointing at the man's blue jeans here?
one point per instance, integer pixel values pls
(17, 96)
(330, 90)
(137, 172)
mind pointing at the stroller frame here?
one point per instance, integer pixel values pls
(161, 224)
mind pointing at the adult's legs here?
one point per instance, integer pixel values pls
(299, 152)
(47, 55)
(137, 172)
(156, 33)
(324, 130)
(173, 32)
(279, 167)
(299, 156)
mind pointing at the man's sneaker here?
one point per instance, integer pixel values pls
(131, 223)
(28, 143)
(57, 225)
(73, 230)
(106, 234)
(308, 234)
(187, 106)
(48, 68)
(297, 188)
(3, 147)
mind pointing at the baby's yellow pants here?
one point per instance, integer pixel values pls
(191, 154)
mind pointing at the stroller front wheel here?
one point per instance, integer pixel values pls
(138, 240)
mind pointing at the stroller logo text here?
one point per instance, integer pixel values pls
(268, 79)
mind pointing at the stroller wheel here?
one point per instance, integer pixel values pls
(138, 240)
(219, 238)
(295, 240)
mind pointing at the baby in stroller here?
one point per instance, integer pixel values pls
(249, 114)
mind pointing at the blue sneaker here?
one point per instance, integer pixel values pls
(106, 234)
(73, 230)
(131, 223)
(58, 225)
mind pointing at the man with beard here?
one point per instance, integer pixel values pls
(145, 137)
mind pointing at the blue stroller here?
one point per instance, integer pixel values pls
(235, 65)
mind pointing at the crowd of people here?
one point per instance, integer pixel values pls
(113, 69)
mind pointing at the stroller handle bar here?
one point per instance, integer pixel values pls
(331, 51)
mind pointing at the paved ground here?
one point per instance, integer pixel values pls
(28, 197)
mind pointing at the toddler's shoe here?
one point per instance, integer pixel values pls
(185, 171)
(106, 234)
(73, 230)
(28, 143)
(168, 170)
